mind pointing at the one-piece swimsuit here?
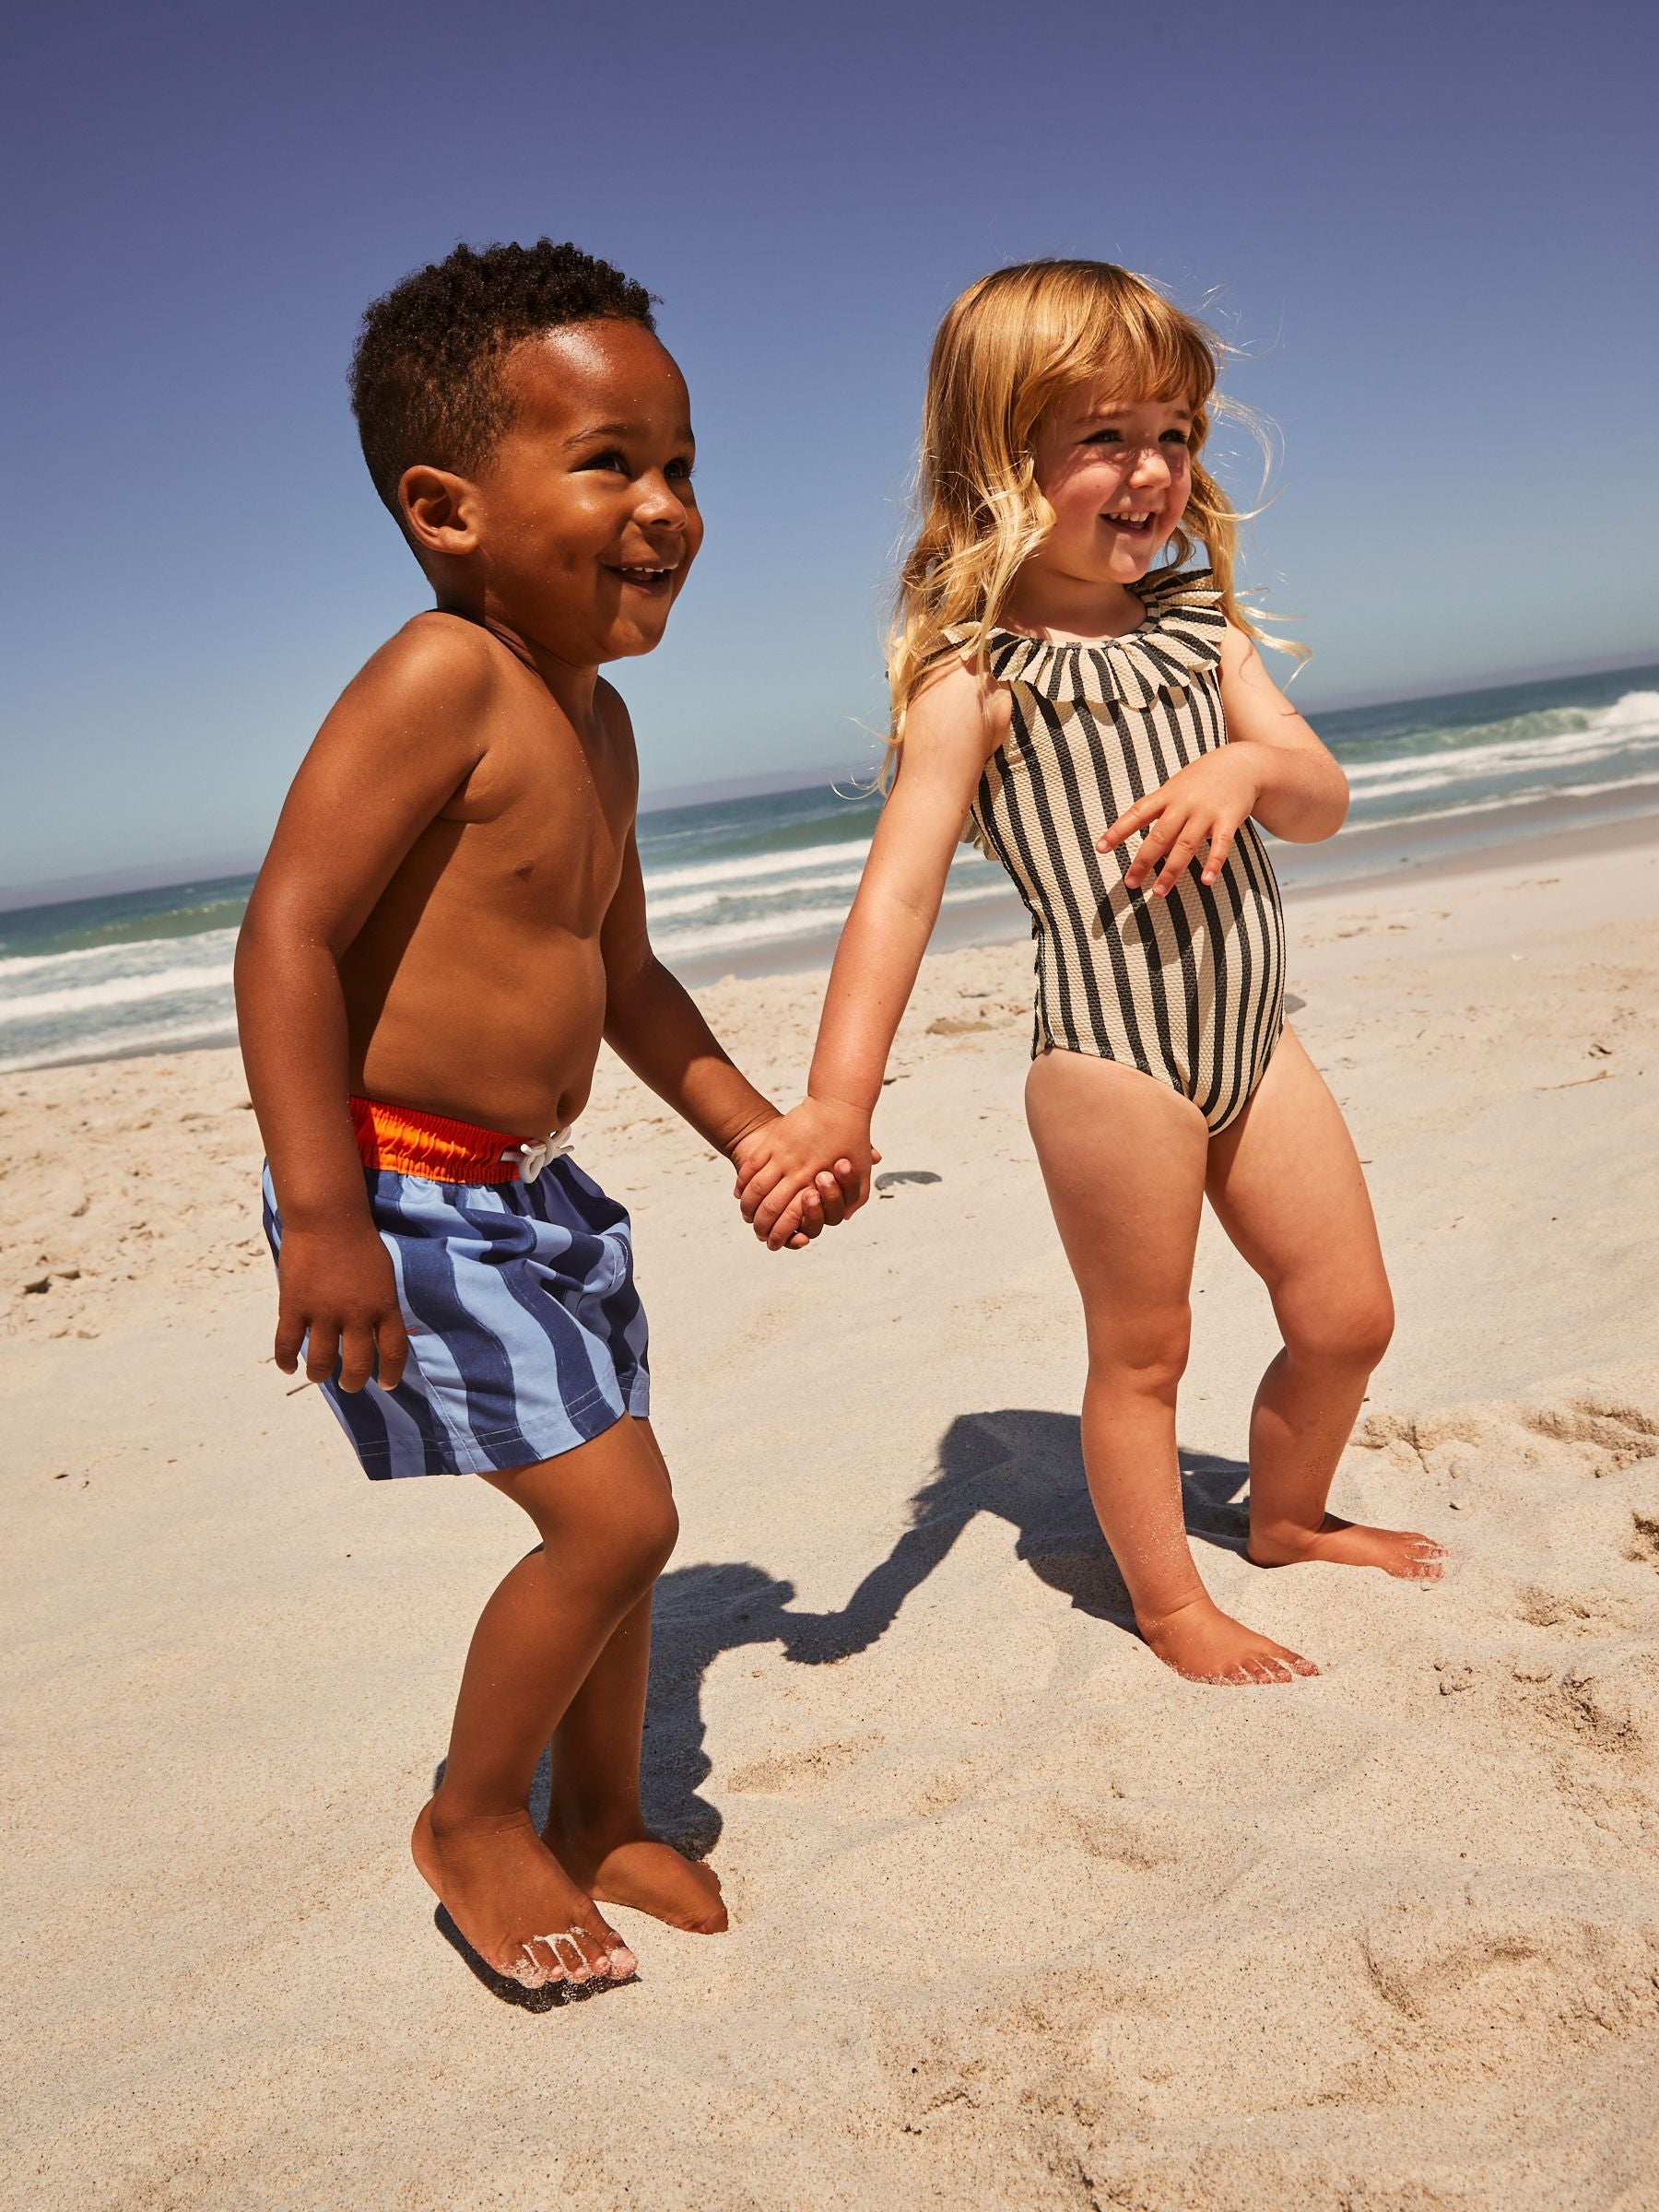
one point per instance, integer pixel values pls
(1188, 988)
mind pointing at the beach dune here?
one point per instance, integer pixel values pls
(1019, 1919)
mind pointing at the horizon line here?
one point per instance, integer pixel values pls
(173, 875)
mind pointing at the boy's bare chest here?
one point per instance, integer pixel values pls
(539, 835)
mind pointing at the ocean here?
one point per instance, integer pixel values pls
(758, 883)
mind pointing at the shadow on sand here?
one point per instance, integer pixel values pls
(1022, 1465)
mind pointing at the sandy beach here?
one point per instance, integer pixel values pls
(1019, 1919)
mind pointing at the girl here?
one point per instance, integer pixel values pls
(1109, 731)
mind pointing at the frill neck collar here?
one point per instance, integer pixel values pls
(1180, 638)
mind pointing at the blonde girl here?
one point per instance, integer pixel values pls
(1098, 712)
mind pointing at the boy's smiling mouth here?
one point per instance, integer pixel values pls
(652, 578)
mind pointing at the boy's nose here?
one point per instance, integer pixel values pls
(661, 504)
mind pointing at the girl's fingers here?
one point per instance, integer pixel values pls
(752, 1193)
(1220, 845)
(1153, 847)
(747, 1172)
(1144, 811)
(1180, 851)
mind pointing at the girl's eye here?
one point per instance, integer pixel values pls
(1178, 437)
(1105, 437)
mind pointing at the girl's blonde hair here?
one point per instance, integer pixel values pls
(1009, 346)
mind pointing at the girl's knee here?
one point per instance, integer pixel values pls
(1350, 1330)
(1147, 1354)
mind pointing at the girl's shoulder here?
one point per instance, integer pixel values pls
(959, 700)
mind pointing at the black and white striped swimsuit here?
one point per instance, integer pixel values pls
(1188, 988)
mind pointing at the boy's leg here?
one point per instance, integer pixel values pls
(596, 1827)
(1124, 1159)
(1287, 1187)
(608, 1525)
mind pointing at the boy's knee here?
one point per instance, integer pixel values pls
(637, 1532)
(658, 1533)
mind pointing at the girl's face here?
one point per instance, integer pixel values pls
(1117, 473)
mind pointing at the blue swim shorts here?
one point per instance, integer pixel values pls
(526, 1333)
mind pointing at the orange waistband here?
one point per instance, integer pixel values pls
(404, 1142)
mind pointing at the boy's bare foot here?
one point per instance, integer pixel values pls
(514, 1902)
(1204, 1644)
(642, 1871)
(1414, 1559)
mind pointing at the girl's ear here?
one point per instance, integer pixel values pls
(440, 510)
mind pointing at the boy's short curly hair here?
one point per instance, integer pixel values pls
(425, 377)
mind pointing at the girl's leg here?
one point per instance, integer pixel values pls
(1123, 1158)
(608, 1525)
(596, 1828)
(1287, 1187)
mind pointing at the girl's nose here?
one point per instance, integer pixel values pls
(1150, 467)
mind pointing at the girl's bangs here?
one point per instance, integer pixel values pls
(1155, 356)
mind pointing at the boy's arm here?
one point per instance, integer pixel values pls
(651, 1022)
(402, 738)
(951, 730)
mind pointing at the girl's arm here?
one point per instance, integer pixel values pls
(1272, 767)
(950, 732)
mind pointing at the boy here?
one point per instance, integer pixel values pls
(451, 916)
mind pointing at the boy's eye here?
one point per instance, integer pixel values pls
(681, 469)
(611, 459)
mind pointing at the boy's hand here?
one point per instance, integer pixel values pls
(781, 1175)
(825, 1203)
(1203, 805)
(338, 1287)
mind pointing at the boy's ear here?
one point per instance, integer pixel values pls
(440, 510)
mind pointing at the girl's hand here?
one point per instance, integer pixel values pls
(1204, 804)
(788, 1159)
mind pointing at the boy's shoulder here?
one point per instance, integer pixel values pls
(438, 653)
(439, 683)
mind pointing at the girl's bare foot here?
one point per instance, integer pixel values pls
(514, 1902)
(1414, 1559)
(639, 1869)
(1204, 1644)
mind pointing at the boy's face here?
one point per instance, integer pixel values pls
(588, 522)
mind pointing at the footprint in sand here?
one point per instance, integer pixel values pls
(1580, 1613)
(799, 1773)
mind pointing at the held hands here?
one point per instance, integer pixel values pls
(336, 1285)
(1204, 804)
(807, 1170)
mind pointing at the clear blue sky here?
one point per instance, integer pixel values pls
(1429, 223)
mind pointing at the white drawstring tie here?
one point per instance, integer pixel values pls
(532, 1159)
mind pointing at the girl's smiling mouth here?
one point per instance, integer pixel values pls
(1134, 522)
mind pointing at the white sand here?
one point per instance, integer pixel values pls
(1020, 1919)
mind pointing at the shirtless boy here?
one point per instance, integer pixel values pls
(451, 917)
